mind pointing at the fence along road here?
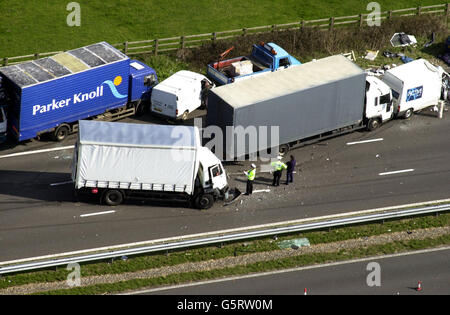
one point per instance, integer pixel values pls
(163, 45)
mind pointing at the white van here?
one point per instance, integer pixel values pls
(415, 86)
(180, 94)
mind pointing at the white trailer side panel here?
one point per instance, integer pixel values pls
(137, 156)
(416, 84)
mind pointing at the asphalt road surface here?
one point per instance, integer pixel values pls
(39, 214)
(398, 275)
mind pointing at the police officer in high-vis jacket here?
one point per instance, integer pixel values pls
(251, 173)
(278, 167)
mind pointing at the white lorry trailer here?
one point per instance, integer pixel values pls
(180, 94)
(117, 161)
(415, 86)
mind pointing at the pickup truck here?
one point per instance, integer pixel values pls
(264, 58)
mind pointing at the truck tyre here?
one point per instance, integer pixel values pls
(61, 133)
(113, 197)
(373, 124)
(140, 108)
(204, 201)
(408, 114)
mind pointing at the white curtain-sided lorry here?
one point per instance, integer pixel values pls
(415, 86)
(118, 161)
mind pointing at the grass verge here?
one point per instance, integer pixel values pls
(40, 26)
(293, 262)
(231, 249)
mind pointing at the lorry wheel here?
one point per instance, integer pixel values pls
(204, 201)
(113, 197)
(61, 133)
(408, 113)
(140, 108)
(373, 124)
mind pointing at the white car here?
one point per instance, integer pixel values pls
(180, 94)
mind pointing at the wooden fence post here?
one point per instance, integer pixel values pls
(244, 32)
(36, 56)
(303, 24)
(274, 28)
(390, 14)
(5, 61)
(361, 20)
(156, 46)
(331, 23)
(419, 10)
(214, 38)
(183, 42)
(125, 48)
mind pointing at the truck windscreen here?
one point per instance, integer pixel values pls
(262, 57)
(395, 94)
(384, 99)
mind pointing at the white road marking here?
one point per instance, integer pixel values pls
(365, 141)
(61, 183)
(397, 172)
(269, 273)
(96, 213)
(261, 190)
(37, 151)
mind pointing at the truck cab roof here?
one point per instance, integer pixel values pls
(279, 52)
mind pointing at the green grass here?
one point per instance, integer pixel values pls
(292, 262)
(166, 66)
(33, 26)
(214, 252)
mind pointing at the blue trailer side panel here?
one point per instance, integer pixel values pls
(71, 98)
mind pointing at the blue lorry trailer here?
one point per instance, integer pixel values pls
(50, 95)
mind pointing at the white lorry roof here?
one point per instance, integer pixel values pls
(63, 64)
(179, 80)
(274, 84)
(411, 69)
(138, 135)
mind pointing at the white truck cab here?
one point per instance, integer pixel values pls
(211, 172)
(180, 94)
(378, 102)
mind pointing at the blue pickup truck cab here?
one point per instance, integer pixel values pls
(264, 57)
(50, 95)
